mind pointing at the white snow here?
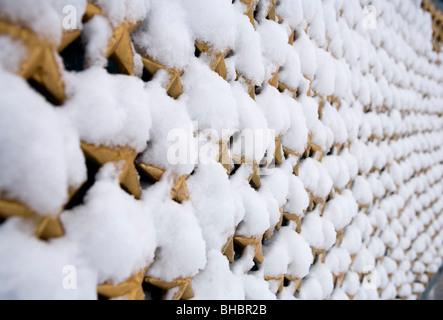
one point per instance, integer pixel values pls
(175, 47)
(253, 127)
(173, 133)
(287, 254)
(216, 281)
(298, 198)
(97, 33)
(341, 210)
(318, 232)
(180, 250)
(127, 238)
(41, 157)
(12, 55)
(315, 178)
(291, 11)
(120, 118)
(338, 260)
(247, 57)
(256, 218)
(307, 53)
(296, 138)
(370, 100)
(209, 99)
(212, 22)
(44, 18)
(118, 11)
(211, 195)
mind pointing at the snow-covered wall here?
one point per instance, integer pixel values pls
(218, 149)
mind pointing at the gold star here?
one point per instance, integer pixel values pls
(154, 173)
(295, 281)
(120, 49)
(68, 37)
(320, 202)
(280, 280)
(228, 249)
(291, 36)
(102, 155)
(41, 64)
(46, 227)
(179, 191)
(288, 152)
(10, 209)
(223, 155)
(311, 200)
(319, 255)
(255, 242)
(250, 9)
(294, 217)
(310, 91)
(268, 234)
(282, 87)
(271, 10)
(278, 155)
(49, 228)
(174, 88)
(314, 148)
(131, 289)
(335, 102)
(274, 79)
(217, 59)
(254, 177)
(183, 287)
(338, 279)
(91, 11)
(280, 222)
(249, 84)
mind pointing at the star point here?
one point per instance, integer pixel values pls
(228, 249)
(129, 176)
(216, 58)
(255, 242)
(174, 88)
(131, 289)
(120, 49)
(41, 64)
(46, 227)
(182, 287)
